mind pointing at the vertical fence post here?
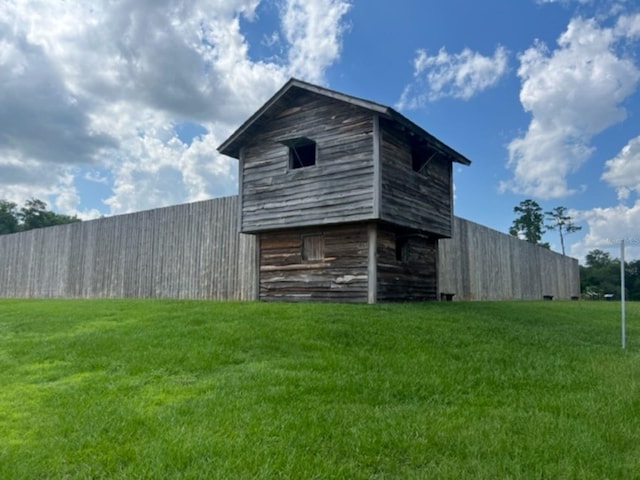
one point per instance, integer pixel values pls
(622, 295)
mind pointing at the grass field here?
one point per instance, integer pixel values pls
(178, 389)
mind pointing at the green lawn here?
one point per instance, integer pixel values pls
(177, 389)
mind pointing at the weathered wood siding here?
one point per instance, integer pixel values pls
(340, 276)
(412, 277)
(479, 263)
(408, 198)
(185, 251)
(338, 188)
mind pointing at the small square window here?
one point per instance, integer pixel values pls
(312, 248)
(302, 152)
(420, 159)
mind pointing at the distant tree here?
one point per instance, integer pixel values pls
(8, 217)
(33, 214)
(602, 275)
(559, 220)
(632, 279)
(598, 259)
(530, 222)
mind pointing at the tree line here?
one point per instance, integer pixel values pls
(33, 214)
(601, 276)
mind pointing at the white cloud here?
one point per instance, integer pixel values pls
(623, 171)
(101, 84)
(607, 226)
(572, 94)
(313, 30)
(628, 26)
(40, 116)
(460, 75)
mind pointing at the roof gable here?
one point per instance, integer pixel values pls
(232, 145)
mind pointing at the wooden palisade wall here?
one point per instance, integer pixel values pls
(479, 263)
(194, 251)
(185, 251)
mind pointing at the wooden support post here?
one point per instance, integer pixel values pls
(258, 255)
(240, 186)
(377, 176)
(372, 269)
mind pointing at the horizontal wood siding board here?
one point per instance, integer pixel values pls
(317, 176)
(318, 196)
(283, 223)
(357, 208)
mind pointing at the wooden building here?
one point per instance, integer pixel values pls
(347, 197)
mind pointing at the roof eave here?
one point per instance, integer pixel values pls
(229, 148)
(438, 145)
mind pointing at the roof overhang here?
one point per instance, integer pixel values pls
(232, 145)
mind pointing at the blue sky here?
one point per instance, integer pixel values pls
(113, 107)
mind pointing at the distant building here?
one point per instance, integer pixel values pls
(347, 197)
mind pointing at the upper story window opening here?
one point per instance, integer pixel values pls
(420, 159)
(302, 152)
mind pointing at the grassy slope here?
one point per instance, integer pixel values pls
(168, 389)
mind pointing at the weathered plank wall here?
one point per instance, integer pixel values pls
(420, 201)
(341, 274)
(184, 251)
(411, 277)
(479, 263)
(337, 189)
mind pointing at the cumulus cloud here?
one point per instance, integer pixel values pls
(572, 93)
(102, 84)
(623, 171)
(607, 227)
(461, 75)
(313, 30)
(40, 117)
(628, 26)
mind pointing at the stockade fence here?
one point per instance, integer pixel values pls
(479, 263)
(195, 251)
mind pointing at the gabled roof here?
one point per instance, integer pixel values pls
(232, 145)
